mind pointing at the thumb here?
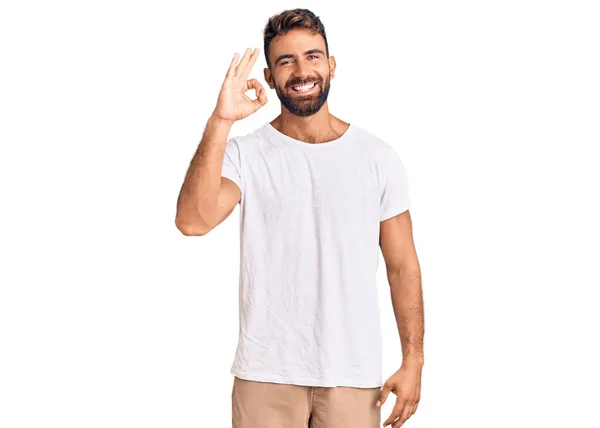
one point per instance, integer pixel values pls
(385, 391)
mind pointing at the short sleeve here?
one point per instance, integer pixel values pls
(231, 163)
(394, 196)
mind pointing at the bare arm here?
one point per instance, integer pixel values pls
(404, 275)
(206, 198)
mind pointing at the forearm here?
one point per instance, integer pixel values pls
(198, 198)
(407, 301)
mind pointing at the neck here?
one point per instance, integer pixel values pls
(320, 127)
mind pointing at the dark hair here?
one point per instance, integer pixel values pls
(289, 19)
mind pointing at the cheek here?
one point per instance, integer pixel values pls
(325, 73)
(281, 80)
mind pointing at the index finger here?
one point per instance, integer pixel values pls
(396, 412)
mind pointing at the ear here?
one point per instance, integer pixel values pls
(269, 77)
(331, 66)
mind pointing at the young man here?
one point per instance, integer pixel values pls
(317, 196)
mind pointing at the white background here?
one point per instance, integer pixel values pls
(110, 317)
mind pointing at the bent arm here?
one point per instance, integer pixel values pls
(206, 198)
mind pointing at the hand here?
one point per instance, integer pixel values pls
(233, 104)
(406, 384)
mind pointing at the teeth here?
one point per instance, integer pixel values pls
(303, 88)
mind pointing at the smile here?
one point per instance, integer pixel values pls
(305, 88)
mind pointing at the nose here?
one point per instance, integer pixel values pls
(302, 70)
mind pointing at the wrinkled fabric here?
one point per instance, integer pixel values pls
(274, 405)
(309, 251)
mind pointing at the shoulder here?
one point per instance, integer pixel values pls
(240, 147)
(243, 142)
(371, 141)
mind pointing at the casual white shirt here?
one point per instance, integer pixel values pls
(309, 251)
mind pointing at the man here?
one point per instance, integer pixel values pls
(317, 196)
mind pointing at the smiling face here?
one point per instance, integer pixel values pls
(300, 71)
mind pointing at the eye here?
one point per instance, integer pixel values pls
(287, 61)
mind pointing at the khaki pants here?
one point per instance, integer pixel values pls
(274, 405)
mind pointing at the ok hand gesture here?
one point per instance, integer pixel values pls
(233, 104)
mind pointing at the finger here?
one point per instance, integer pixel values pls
(390, 419)
(395, 414)
(385, 391)
(251, 62)
(231, 70)
(397, 423)
(242, 65)
(253, 83)
(393, 417)
(405, 414)
(261, 97)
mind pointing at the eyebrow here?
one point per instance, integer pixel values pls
(280, 57)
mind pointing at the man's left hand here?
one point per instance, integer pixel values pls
(406, 384)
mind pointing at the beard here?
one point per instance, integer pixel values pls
(303, 105)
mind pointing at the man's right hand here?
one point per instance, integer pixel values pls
(233, 104)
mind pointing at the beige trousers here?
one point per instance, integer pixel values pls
(274, 405)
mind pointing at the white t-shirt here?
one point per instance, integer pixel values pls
(309, 251)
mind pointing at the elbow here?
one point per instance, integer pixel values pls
(190, 231)
(194, 219)
(189, 228)
(404, 270)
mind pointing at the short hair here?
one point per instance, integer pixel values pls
(287, 20)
